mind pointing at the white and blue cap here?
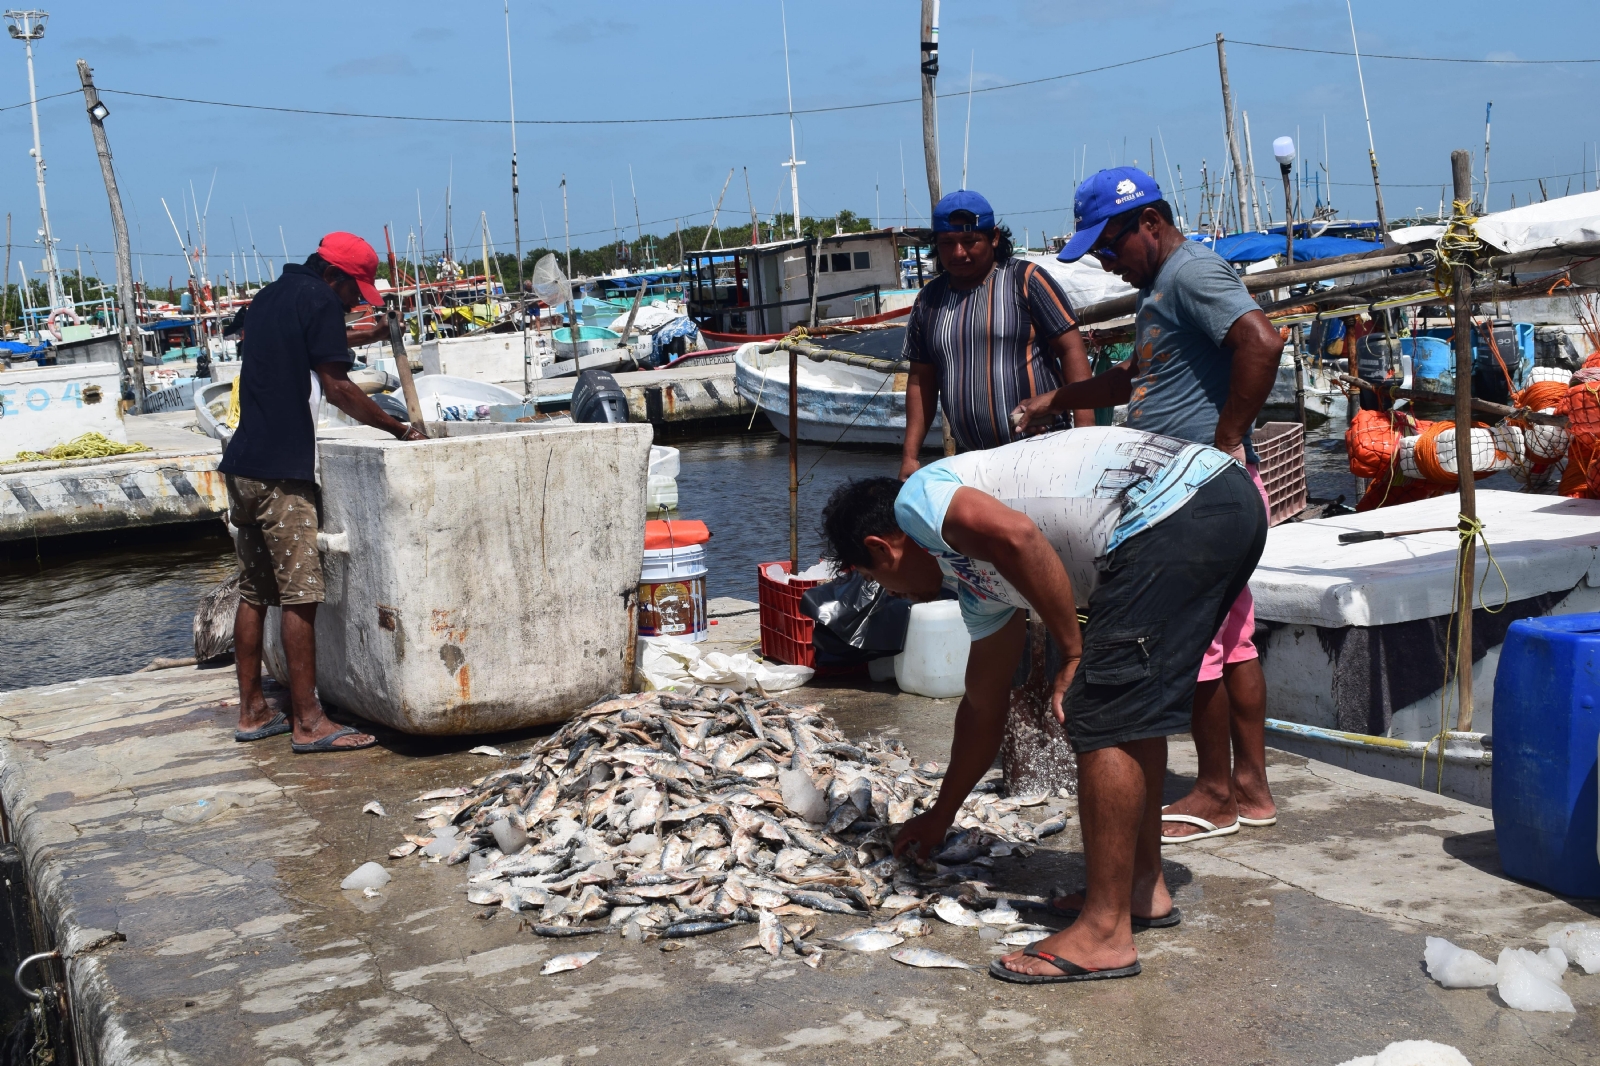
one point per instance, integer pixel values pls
(1102, 197)
(962, 200)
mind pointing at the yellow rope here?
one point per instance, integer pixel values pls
(1457, 245)
(1461, 588)
(231, 419)
(88, 446)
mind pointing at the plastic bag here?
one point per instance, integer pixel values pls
(857, 619)
(668, 665)
(549, 283)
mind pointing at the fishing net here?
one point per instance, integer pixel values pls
(1433, 455)
(549, 283)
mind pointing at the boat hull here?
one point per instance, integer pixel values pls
(838, 404)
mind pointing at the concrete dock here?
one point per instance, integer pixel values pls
(1300, 944)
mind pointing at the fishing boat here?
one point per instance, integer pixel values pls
(838, 403)
(1322, 391)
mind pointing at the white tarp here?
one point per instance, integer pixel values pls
(1306, 577)
(1084, 282)
(1565, 220)
(668, 665)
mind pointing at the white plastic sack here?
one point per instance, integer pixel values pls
(667, 665)
(1412, 1053)
(549, 283)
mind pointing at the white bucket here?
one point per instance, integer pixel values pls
(672, 593)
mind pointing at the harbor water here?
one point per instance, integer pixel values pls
(143, 599)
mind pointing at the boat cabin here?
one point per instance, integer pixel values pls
(765, 289)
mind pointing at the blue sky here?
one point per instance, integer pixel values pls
(579, 60)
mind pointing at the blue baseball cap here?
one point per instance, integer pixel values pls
(1101, 197)
(962, 200)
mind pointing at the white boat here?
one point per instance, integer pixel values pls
(1323, 393)
(838, 403)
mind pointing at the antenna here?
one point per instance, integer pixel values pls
(1486, 111)
(793, 164)
(967, 139)
(1372, 151)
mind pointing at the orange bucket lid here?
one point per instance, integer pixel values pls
(659, 535)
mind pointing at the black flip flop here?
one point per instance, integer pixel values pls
(1070, 971)
(1166, 921)
(275, 728)
(326, 744)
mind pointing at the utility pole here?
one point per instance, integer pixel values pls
(1240, 188)
(1461, 294)
(131, 341)
(27, 27)
(930, 101)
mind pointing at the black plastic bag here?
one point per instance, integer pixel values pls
(856, 619)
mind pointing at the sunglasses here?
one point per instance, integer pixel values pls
(1108, 250)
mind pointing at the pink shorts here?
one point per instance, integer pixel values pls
(1235, 641)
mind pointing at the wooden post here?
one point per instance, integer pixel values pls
(1461, 285)
(402, 367)
(930, 138)
(1240, 188)
(119, 229)
(794, 460)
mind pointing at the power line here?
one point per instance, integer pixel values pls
(1413, 59)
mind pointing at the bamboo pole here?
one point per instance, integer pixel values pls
(1461, 281)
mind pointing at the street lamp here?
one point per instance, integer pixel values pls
(99, 111)
(27, 27)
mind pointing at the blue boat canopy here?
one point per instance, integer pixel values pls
(169, 323)
(1254, 247)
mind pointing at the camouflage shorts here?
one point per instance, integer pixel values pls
(277, 543)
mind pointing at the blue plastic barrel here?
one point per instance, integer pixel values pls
(1546, 730)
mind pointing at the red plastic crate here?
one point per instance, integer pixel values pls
(1281, 450)
(785, 632)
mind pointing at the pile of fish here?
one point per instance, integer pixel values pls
(671, 815)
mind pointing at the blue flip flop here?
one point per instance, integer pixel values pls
(326, 744)
(275, 728)
(1070, 971)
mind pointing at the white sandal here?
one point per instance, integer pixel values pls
(1207, 829)
(1258, 823)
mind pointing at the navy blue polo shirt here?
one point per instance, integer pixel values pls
(294, 324)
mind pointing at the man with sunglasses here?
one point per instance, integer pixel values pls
(987, 333)
(1204, 361)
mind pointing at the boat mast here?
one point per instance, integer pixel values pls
(1372, 151)
(27, 27)
(516, 220)
(966, 140)
(793, 163)
(1486, 112)
(566, 225)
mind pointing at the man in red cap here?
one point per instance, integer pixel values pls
(296, 335)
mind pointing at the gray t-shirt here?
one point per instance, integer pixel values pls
(1181, 372)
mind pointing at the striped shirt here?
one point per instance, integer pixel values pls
(987, 345)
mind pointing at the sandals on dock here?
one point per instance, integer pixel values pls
(1070, 971)
(329, 743)
(276, 728)
(1168, 920)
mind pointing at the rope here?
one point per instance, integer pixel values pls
(1461, 589)
(1457, 245)
(88, 446)
(1427, 454)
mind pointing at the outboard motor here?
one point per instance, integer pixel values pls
(598, 398)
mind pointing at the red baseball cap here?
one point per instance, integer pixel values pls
(355, 257)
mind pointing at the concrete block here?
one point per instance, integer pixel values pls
(488, 578)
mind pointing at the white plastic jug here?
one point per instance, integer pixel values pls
(934, 661)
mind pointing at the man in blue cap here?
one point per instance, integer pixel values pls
(989, 332)
(1204, 361)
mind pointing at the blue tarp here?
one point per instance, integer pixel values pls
(1254, 247)
(169, 323)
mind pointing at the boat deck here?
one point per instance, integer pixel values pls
(1300, 944)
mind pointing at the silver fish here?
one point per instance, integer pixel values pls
(1050, 827)
(770, 934)
(820, 901)
(954, 913)
(869, 940)
(910, 927)
(444, 793)
(375, 808)
(562, 963)
(1023, 937)
(402, 851)
(928, 959)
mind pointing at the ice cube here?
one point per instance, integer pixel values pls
(641, 844)
(508, 836)
(1523, 983)
(802, 796)
(1412, 1053)
(1551, 965)
(1455, 967)
(1580, 941)
(367, 875)
(443, 842)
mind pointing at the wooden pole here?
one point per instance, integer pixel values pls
(1241, 189)
(1461, 281)
(402, 367)
(119, 229)
(930, 135)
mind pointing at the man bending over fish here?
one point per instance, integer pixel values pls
(1159, 536)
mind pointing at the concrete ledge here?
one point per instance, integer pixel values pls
(54, 499)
